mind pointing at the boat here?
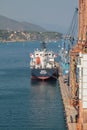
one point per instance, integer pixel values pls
(42, 63)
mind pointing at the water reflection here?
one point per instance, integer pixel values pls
(26, 104)
(46, 105)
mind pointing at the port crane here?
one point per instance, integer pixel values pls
(78, 69)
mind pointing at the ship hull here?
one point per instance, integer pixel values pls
(44, 73)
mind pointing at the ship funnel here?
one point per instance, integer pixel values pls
(43, 45)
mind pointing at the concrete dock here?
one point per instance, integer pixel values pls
(70, 111)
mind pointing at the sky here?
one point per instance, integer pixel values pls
(53, 15)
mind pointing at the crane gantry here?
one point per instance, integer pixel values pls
(78, 68)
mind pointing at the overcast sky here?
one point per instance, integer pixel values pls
(55, 15)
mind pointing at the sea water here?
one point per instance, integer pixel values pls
(26, 104)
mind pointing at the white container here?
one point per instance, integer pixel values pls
(83, 79)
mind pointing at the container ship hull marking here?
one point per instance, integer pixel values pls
(43, 73)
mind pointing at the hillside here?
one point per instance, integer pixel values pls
(10, 24)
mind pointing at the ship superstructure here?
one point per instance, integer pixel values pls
(42, 63)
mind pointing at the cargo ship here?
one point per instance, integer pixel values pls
(42, 63)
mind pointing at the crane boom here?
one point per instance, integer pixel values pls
(78, 80)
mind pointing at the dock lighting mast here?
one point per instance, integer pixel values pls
(78, 68)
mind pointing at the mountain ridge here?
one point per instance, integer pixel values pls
(10, 24)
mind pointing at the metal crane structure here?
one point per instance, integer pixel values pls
(78, 69)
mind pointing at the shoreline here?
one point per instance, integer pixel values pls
(13, 41)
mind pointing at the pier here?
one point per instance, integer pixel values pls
(70, 111)
(74, 94)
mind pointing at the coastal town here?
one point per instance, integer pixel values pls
(19, 36)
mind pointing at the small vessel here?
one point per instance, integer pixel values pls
(42, 63)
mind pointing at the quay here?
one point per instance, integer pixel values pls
(74, 93)
(69, 111)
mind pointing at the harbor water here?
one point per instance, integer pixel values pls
(26, 104)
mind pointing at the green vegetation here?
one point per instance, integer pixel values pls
(12, 30)
(13, 36)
